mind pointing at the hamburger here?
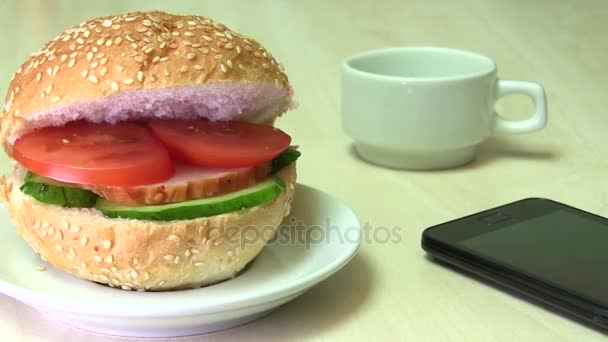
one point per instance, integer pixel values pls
(145, 151)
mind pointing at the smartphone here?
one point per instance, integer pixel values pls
(540, 248)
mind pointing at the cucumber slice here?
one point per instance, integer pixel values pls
(258, 194)
(54, 192)
(286, 157)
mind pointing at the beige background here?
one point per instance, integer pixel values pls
(390, 291)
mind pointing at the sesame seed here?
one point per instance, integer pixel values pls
(94, 65)
(162, 45)
(106, 23)
(41, 268)
(134, 274)
(103, 61)
(126, 288)
(114, 85)
(113, 269)
(103, 277)
(74, 54)
(83, 265)
(173, 237)
(89, 56)
(87, 33)
(65, 141)
(55, 70)
(198, 264)
(80, 41)
(72, 252)
(117, 41)
(58, 248)
(140, 76)
(38, 77)
(135, 261)
(223, 68)
(48, 90)
(188, 34)
(129, 38)
(257, 54)
(49, 71)
(146, 275)
(64, 57)
(109, 259)
(71, 63)
(119, 68)
(229, 46)
(228, 35)
(108, 43)
(93, 79)
(175, 33)
(191, 56)
(97, 258)
(207, 38)
(148, 49)
(139, 59)
(219, 34)
(155, 59)
(186, 42)
(141, 29)
(128, 81)
(169, 257)
(107, 244)
(198, 67)
(164, 59)
(265, 65)
(100, 41)
(229, 64)
(94, 49)
(72, 47)
(167, 73)
(187, 253)
(74, 229)
(134, 45)
(248, 48)
(204, 50)
(42, 95)
(216, 50)
(65, 38)
(194, 251)
(103, 71)
(55, 99)
(146, 22)
(84, 240)
(127, 19)
(116, 26)
(219, 56)
(183, 68)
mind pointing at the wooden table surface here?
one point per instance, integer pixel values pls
(390, 291)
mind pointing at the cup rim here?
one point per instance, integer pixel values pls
(347, 64)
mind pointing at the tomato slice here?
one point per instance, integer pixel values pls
(95, 153)
(220, 144)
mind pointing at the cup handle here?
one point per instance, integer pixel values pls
(536, 121)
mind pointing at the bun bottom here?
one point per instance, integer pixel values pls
(146, 255)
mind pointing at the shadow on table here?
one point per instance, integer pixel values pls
(493, 149)
(326, 306)
(511, 292)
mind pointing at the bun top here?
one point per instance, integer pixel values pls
(144, 64)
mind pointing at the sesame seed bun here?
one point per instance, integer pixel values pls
(145, 255)
(140, 66)
(143, 65)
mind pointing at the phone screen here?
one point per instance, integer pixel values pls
(560, 248)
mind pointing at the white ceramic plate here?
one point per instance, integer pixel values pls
(319, 237)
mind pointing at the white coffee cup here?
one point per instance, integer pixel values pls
(428, 107)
